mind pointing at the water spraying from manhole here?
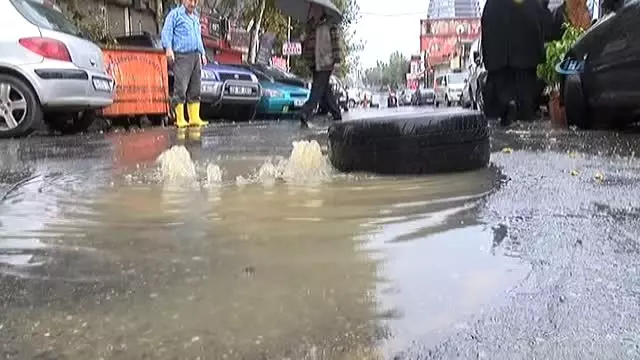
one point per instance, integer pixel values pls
(305, 164)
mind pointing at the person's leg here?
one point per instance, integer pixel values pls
(315, 96)
(182, 68)
(193, 92)
(330, 100)
(525, 84)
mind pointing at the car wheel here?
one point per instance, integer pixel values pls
(71, 123)
(446, 100)
(245, 113)
(575, 103)
(352, 103)
(20, 110)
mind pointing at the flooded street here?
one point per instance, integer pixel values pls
(242, 242)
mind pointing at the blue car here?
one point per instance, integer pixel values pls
(282, 93)
(229, 92)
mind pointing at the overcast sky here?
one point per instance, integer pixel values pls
(399, 30)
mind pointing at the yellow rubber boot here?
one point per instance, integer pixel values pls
(194, 115)
(180, 120)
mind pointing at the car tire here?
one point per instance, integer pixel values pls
(352, 103)
(245, 113)
(33, 116)
(418, 144)
(446, 100)
(575, 103)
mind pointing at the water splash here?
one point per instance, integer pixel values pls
(176, 164)
(306, 164)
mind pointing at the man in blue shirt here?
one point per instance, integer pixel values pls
(182, 40)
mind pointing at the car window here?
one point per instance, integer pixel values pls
(46, 17)
(260, 75)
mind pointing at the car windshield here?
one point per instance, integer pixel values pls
(277, 73)
(457, 78)
(46, 17)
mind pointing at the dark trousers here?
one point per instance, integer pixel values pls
(511, 84)
(321, 92)
(186, 77)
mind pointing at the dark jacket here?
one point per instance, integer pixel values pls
(512, 34)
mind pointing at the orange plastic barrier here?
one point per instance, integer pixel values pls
(141, 81)
(134, 148)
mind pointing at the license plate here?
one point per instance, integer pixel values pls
(239, 90)
(102, 85)
(206, 88)
(298, 102)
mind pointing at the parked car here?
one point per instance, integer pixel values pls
(423, 96)
(448, 88)
(225, 90)
(47, 70)
(392, 99)
(405, 97)
(229, 92)
(602, 71)
(278, 98)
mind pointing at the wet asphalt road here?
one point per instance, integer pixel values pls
(567, 205)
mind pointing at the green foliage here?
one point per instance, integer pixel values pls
(555, 52)
(390, 73)
(91, 25)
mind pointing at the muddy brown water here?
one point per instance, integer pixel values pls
(240, 256)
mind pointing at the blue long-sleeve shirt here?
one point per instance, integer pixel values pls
(181, 32)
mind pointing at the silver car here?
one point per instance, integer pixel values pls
(47, 68)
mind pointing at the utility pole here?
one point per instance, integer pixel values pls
(289, 41)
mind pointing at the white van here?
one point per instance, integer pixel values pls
(448, 87)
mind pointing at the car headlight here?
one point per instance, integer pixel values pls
(207, 75)
(271, 93)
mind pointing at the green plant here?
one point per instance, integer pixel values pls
(555, 52)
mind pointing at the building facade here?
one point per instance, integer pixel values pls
(446, 35)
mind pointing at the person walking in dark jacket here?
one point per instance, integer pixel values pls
(182, 42)
(512, 46)
(321, 49)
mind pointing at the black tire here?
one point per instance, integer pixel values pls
(419, 144)
(446, 100)
(244, 113)
(71, 123)
(31, 118)
(352, 103)
(575, 103)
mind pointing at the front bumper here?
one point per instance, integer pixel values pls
(280, 105)
(63, 85)
(218, 92)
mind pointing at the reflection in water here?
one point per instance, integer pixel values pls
(274, 268)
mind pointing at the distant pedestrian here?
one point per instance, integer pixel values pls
(321, 49)
(182, 41)
(512, 46)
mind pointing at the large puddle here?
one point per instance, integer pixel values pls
(209, 255)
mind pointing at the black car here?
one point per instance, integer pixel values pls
(602, 71)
